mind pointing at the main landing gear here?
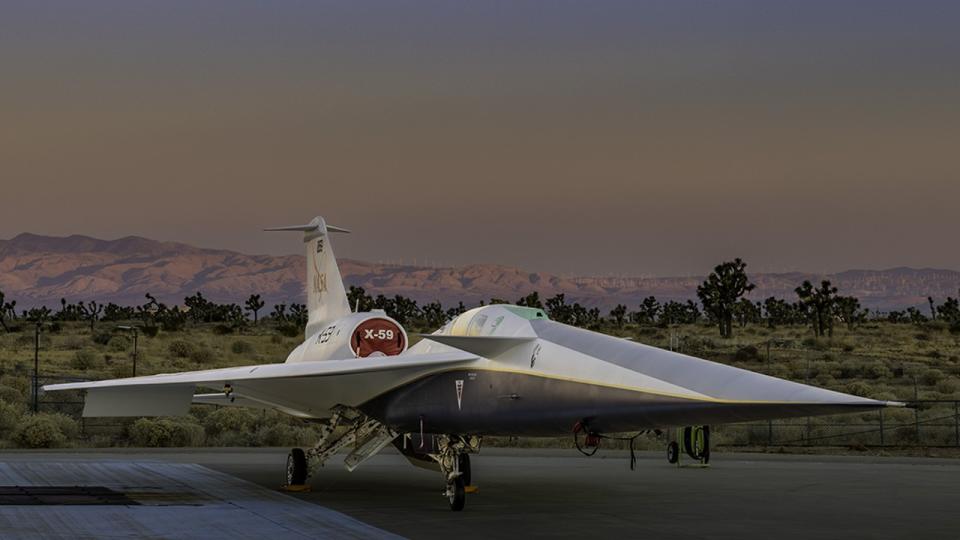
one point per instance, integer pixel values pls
(347, 427)
(694, 441)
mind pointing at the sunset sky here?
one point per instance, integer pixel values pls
(570, 137)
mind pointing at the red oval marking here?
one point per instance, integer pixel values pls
(377, 336)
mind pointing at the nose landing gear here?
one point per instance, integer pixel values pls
(454, 460)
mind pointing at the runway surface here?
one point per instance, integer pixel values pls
(554, 493)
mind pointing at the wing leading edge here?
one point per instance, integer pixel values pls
(284, 386)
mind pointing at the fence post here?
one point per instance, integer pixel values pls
(956, 421)
(916, 408)
(881, 427)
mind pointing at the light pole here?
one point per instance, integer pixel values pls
(135, 333)
(36, 366)
(38, 325)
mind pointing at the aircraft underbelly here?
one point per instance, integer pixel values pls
(508, 403)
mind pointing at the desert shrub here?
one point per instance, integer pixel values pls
(150, 331)
(229, 419)
(222, 329)
(931, 377)
(947, 386)
(10, 416)
(748, 353)
(121, 370)
(179, 348)
(73, 343)
(289, 330)
(201, 355)
(778, 370)
(165, 432)
(68, 426)
(815, 344)
(149, 432)
(885, 396)
(186, 433)
(119, 343)
(276, 340)
(859, 389)
(101, 338)
(848, 347)
(874, 370)
(278, 435)
(10, 394)
(825, 379)
(241, 347)
(83, 360)
(39, 431)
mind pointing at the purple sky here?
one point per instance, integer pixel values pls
(571, 137)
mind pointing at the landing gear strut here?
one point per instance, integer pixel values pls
(366, 435)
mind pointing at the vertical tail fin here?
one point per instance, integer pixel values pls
(326, 296)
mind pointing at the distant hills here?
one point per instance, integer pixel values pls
(38, 269)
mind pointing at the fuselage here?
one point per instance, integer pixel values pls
(560, 375)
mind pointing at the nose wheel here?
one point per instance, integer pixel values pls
(457, 494)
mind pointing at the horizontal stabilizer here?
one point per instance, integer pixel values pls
(309, 227)
(485, 346)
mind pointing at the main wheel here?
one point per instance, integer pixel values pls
(673, 452)
(463, 463)
(296, 467)
(457, 495)
(706, 445)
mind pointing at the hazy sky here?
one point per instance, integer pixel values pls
(574, 137)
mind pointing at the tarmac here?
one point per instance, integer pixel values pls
(232, 493)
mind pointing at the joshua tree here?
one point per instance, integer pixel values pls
(558, 309)
(618, 314)
(848, 307)
(91, 311)
(820, 303)
(433, 315)
(298, 314)
(254, 304)
(359, 299)
(453, 312)
(720, 292)
(279, 312)
(531, 300)
(4, 308)
(650, 310)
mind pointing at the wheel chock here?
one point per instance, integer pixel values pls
(471, 489)
(296, 488)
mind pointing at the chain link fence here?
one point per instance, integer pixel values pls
(924, 423)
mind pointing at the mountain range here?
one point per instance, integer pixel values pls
(37, 269)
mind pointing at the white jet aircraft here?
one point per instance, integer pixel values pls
(498, 370)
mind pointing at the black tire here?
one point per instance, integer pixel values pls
(706, 445)
(459, 496)
(296, 467)
(673, 452)
(463, 462)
